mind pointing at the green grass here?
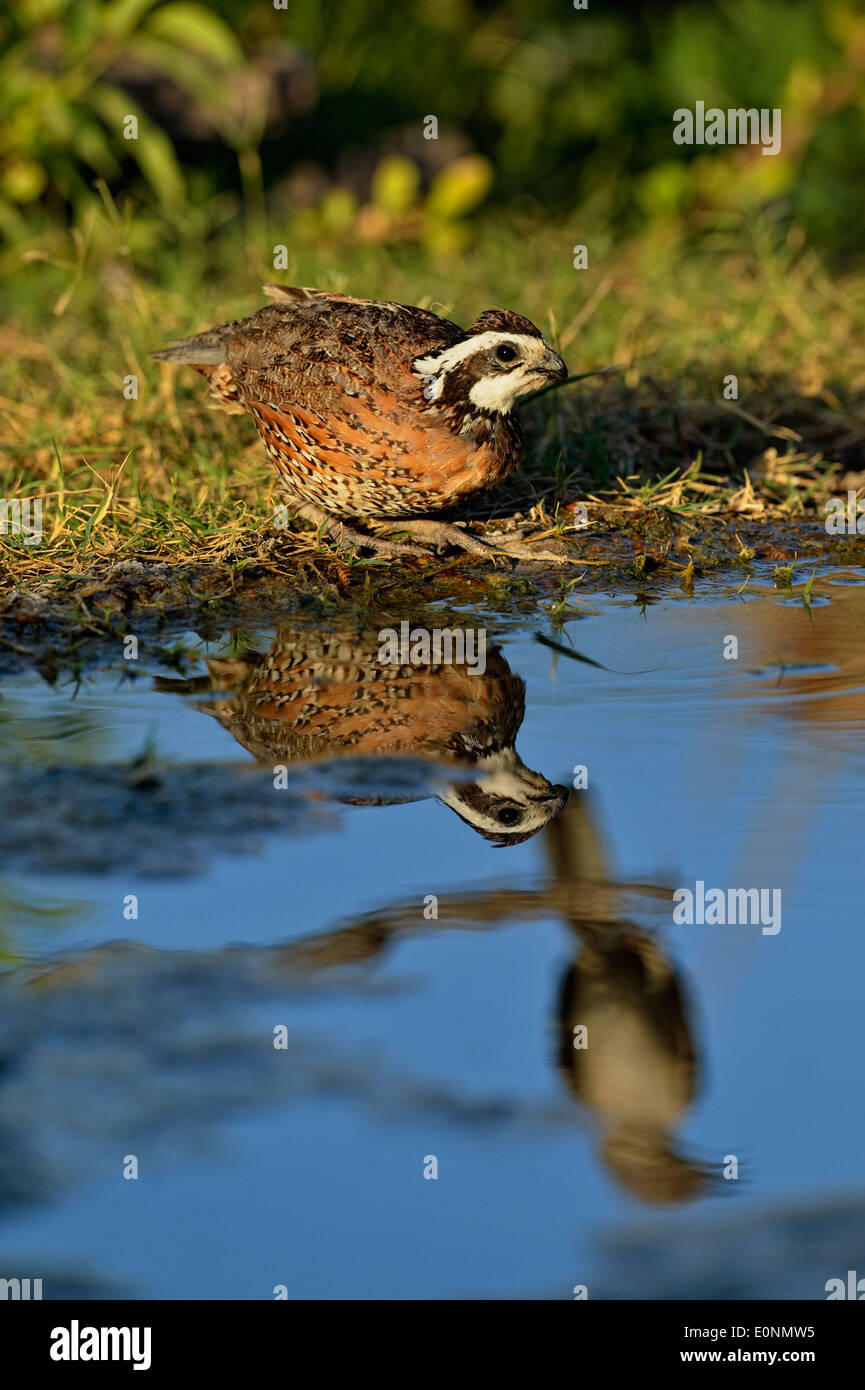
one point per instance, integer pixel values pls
(163, 478)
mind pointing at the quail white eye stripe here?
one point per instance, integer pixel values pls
(477, 342)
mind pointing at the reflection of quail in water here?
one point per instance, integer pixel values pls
(378, 410)
(638, 1074)
(318, 695)
(636, 1069)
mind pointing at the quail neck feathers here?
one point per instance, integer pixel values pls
(376, 410)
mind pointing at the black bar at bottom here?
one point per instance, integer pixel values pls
(86, 1339)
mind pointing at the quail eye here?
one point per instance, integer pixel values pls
(508, 816)
(505, 353)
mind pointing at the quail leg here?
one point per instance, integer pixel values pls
(347, 539)
(440, 533)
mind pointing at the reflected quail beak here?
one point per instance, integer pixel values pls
(555, 795)
(552, 366)
(558, 796)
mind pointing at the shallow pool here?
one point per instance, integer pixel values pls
(318, 947)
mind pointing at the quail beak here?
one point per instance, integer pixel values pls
(552, 366)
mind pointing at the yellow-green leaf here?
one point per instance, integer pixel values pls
(192, 26)
(395, 184)
(460, 187)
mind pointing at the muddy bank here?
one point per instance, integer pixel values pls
(70, 621)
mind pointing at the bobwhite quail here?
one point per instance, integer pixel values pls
(321, 695)
(377, 410)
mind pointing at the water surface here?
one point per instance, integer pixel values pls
(424, 917)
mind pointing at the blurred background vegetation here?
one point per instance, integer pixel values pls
(304, 128)
(315, 111)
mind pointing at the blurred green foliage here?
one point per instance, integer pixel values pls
(316, 113)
